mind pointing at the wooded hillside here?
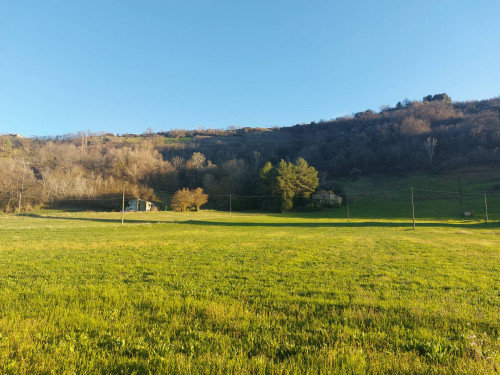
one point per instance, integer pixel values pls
(434, 134)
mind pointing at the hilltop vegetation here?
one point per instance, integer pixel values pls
(434, 135)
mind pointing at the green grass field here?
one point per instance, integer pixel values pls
(247, 293)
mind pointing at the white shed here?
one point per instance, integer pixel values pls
(137, 204)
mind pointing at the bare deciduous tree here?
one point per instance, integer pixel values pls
(177, 162)
(430, 145)
(197, 161)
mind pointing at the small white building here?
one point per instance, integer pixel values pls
(139, 205)
(327, 197)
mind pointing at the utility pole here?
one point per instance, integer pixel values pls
(460, 196)
(412, 209)
(486, 207)
(347, 198)
(123, 203)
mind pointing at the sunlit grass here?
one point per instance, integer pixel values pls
(211, 292)
(176, 139)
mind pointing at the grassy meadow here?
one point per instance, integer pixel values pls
(209, 293)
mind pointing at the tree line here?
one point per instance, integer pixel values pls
(434, 134)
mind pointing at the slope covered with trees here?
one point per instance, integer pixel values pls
(434, 134)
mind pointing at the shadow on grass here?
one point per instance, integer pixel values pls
(97, 220)
(343, 224)
(347, 224)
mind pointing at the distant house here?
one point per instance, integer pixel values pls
(327, 197)
(139, 205)
(15, 135)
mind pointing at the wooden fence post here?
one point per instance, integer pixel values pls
(486, 206)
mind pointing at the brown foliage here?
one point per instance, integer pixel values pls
(185, 198)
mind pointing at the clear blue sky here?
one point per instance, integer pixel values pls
(123, 66)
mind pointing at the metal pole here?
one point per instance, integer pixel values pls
(123, 203)
(348, 217)
(486, 207)
(412, 209)
(230, 206)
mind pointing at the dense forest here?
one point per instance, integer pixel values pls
(433, 135)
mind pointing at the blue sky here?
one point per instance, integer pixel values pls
(123, 66)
